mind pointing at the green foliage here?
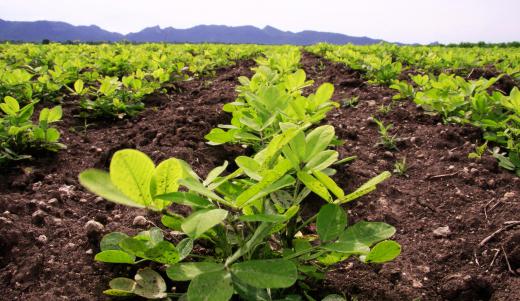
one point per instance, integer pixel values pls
(271, 98)
(135, 181)
(386, 139)
(249, 218)
(479, 151)
(19, 136)
(400, 167)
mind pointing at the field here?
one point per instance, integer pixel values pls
(264, 172)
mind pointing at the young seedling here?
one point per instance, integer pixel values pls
(350, 102)
(479, 151)
(385, 109)
(387, 140)
(400, 167)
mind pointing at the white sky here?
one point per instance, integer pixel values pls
(421, 21)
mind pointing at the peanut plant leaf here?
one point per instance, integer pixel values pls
(149, 284)
(268, 273)
(188, 270)
(214, 173)
(213, 286)
(111, 241)
(131, 172)
(115, 256)
(270, 218)
(121, 287)
(196, 186)
(268, 178)
(163, 252)
(384, 251)
(366, 188)
(347, 247)
(201, 221)
(134, 246)
(185, 247)
(330, 222)
(167, 175)
(318, 140)
(367, 233)
(329, 183)
(186, 198)
(314, 185)
(98, 182)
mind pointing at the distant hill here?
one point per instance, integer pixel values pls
(60, 32)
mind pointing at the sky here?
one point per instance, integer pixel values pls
(407, 21)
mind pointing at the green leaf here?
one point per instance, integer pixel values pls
(98, 182)
(111, 241)
(131, 172)
(78, 86)
(314, 185)
(173, 222)
(330, 222)
(185, 198)
(323, 94)
(347, 247)
(268, 178)
(197, 187)
(55, 114)
(249, 293)
(318, 140)
(134, 246)
(11, 106)
(269, 273)
(329, 183)
(384, 251)
(334, 298)
(367, 233)
(167, 175)
(188, 270)
(214, 173)
(115, 256)
(163, 252)
(185, 247)
(121, 287)
(262, 218)
(250, 167)
(369, 186)
(52, 135)
(201, 221)
(150, 284)
(218, 136)
(322, 160)
(214, 286)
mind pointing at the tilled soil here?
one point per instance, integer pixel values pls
(443, 207)
(45, 250)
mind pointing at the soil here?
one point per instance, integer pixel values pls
(441, 188)
(46, 252)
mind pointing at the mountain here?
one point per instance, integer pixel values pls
(60, 31)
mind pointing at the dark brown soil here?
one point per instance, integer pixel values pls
(45, 252)
(442, 188)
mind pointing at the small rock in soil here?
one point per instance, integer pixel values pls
(38, 217)
(42, 238)
(52, 201)
(140, 221)
(92, 227)
(442, 232)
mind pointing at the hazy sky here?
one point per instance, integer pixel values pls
(421, 21)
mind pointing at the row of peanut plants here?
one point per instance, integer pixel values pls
(257, 242)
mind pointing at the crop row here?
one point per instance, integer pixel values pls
(258, 243)
(455, 98)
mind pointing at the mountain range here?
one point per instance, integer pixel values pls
(36, 31)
